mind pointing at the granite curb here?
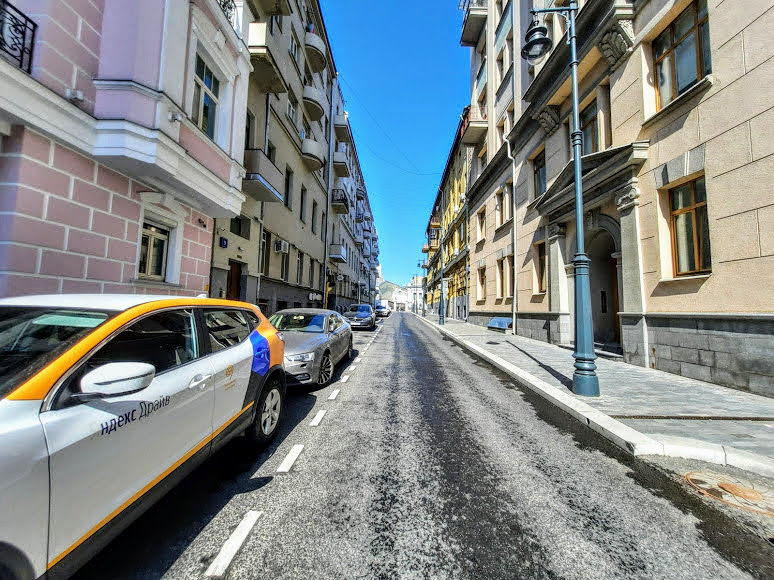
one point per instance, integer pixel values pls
(623, 436)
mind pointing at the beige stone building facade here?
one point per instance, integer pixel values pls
(676, 113)
(305, 236)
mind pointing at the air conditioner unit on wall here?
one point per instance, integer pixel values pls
(281, 247)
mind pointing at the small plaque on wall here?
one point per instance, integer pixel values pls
(223, 242)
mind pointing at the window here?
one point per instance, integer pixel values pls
(153, 251)
(481, 284)
(300, 268)
(311, 273)
(481, 225)
(321, 278)
(292, 108)
(323, 226)
(314, 217)
(271, 152)
(288, 201)
(225, 328)
(293, 48)
(266, 241)
(303, 204)
(284, 265)
(500, 208)
(164, 340)
(690, 229)
(241, 226)
(205, 98)
(501, 280)
(682, 53)
(588, 123)
(539, 174)
(307, 131)
(540, 266)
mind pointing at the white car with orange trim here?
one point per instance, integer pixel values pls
(107, 401)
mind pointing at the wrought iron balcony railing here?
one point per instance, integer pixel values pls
(230, 10)
(17, 36)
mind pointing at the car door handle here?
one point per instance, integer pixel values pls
(199, 381)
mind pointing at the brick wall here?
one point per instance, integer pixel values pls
(70, 224)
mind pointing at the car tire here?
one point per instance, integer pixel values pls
(270, 406)
(326, 370)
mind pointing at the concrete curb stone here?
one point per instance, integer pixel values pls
(623, 436)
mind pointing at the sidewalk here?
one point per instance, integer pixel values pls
(644, 411)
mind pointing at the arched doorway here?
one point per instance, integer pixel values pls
(604, 288)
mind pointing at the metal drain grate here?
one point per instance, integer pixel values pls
(741, 493)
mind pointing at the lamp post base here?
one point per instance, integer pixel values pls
(585, 384)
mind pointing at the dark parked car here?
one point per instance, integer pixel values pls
(361, 316)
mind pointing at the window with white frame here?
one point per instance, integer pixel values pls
(293, 48)
(501, 279)
(500, 218)
(205, 98)
(293, 108)
(541, 269)
(154, 247)
(481, 284)
(481, 225)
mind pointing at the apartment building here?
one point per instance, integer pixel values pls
(174, 147)
(299, 228)
(675, 108)
(447, 230)
(122, 137)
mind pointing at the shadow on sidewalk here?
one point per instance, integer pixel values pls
(564, 379)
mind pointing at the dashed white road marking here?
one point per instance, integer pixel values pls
(318, 418)
(222, 561)
(358, 359)
(290, 459)
(352, 368)
(334, 394)
(344, 379)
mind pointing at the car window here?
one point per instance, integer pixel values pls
(225, 328)
(252, 320)
(364, 309)
(31, 338)
(165, 340)
(333, 323)
(341, 320)
(298, 321)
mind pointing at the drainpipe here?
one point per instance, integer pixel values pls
(260, 220)
(328, 218)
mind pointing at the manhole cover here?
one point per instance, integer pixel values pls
(741, 493)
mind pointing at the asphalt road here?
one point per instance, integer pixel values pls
(427, 464)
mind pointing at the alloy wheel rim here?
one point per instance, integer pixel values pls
(271, 411)
(326, 370)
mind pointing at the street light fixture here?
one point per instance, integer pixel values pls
(537, 44)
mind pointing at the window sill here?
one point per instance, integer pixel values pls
(503, 225)
(684, 278)
(543, 293)
(700, 86)
(153, 282)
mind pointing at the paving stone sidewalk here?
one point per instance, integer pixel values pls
(653, 402)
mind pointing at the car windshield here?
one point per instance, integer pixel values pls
(299, 321)
(360, 308)
(31, 337)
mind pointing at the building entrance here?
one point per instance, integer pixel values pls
(234, 282)
(604, 289)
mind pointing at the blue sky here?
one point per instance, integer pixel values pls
(404, 77)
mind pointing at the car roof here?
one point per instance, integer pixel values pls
(305, 311)
(116, 302)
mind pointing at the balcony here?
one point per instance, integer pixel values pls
(274, 7)
(266, 72)
(314, 102)
(359, 238)
(361, 194)
(425, 248)
(366, 251)
(359, 216)
(474, 128)
(338, 253)
(435, 221)
(367, 226)
(342, 129)
(339, 201)
(316, 52)
(313, 153)
(341, 164)
(474, 21)
(263, 181)
(17, 37)
(434, 243)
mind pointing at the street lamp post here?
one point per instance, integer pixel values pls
(584, 379)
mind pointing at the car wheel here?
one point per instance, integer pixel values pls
(268, 414)
(326, 370)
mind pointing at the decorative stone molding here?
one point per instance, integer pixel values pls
(556, 231)
(591, 219)
(616, 43)
(627, 198)
(548, 117)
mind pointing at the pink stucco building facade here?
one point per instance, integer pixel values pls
(121, 139)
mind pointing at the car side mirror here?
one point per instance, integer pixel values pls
(115, 380)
